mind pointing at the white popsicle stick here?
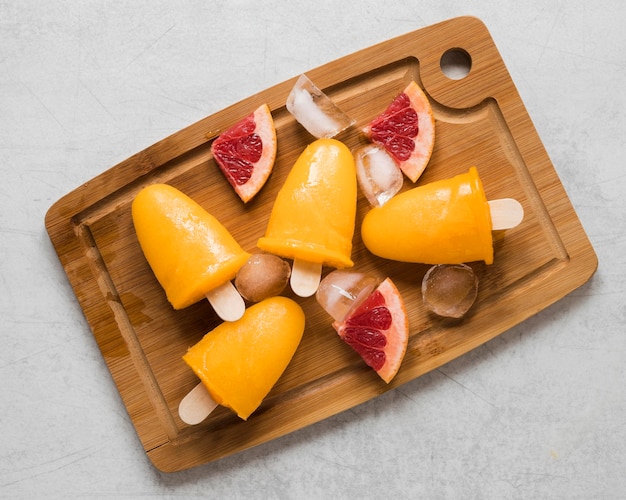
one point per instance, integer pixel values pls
(305, 277)
(506, 213)
(196, 405)
(227, 302)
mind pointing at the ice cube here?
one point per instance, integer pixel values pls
(378, 175)
(340, 291)
(315, 111)
(449, 290)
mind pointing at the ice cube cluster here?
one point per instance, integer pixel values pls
(379, 176)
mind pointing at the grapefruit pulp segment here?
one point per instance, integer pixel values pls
(246, 152)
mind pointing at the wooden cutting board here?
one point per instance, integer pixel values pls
(480, 120)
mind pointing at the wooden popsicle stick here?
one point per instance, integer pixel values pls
(305, 277)
(506, 213)
(196, 405)
(227, 302)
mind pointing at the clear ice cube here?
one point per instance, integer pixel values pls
(315, 111)
(449, 290)
(340, 291)
(378, 175)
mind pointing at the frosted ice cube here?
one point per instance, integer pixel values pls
(378, 175)
(450, 290)
(340, 291)
(315, 111)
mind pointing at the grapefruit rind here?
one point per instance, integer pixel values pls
(262, 168)
(397, 335)
(425, 139)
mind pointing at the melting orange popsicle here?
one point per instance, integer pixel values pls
(190, 252)
(312, 220)
(239, 362)
(444, 222)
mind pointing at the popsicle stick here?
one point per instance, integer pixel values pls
(196, 405)
(227, 302)
(506, 213)
(305, 277)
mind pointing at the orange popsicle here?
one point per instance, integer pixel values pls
(239, 362)
(312, 220)
(190, 252)
(443, 222)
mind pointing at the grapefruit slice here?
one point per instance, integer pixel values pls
(246, 152)
(378, 330)
(406, 129)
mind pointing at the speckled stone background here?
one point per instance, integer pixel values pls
(539, 412)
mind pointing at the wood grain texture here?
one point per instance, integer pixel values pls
(480, 120)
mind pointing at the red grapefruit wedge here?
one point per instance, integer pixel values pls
(246, 152)
(406, 129)
(378, 330)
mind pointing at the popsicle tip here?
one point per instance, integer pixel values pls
(227, 302)
(196, 405)
(305, 277)
(506, 213)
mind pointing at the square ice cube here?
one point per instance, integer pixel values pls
(379, 176)
(342, 291)
(315, 111)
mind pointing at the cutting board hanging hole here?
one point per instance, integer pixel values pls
(456, 63)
